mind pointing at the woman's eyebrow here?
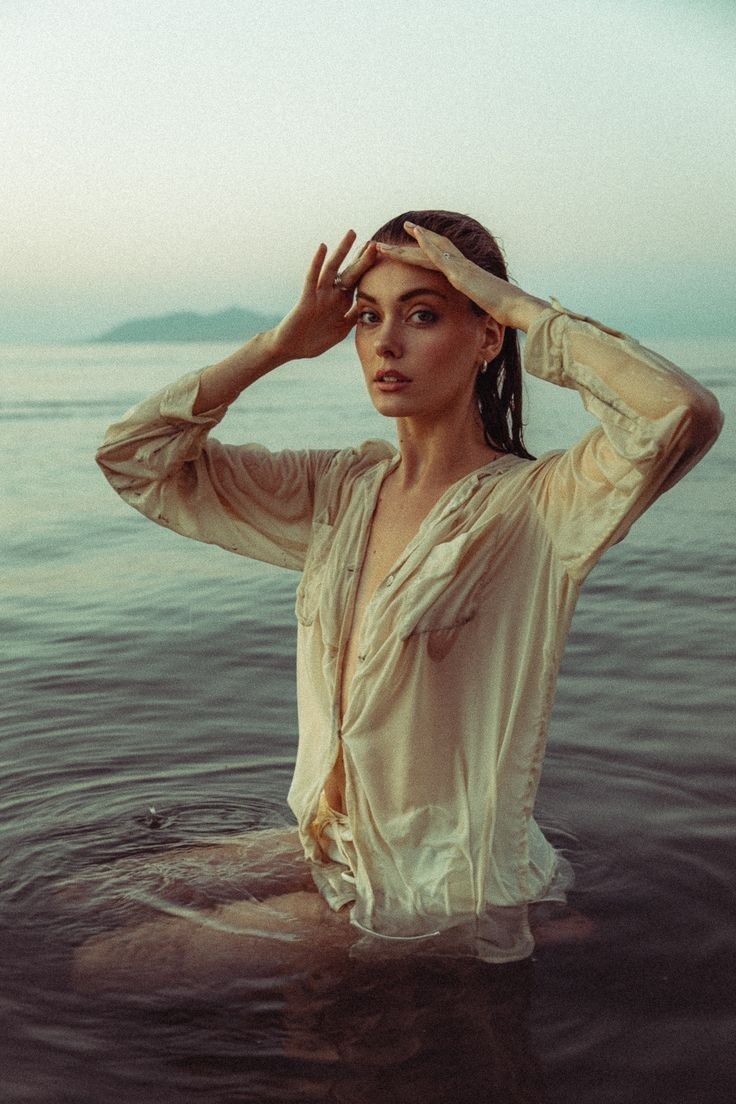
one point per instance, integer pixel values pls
(407, 294)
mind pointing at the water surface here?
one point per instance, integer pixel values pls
(141, 670)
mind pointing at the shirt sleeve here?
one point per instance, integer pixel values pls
(656, 422)
(241, 497)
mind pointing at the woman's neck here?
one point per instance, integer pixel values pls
(437, 454)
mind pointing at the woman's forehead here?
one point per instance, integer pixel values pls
(389, 279)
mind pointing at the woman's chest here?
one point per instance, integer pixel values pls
(397, 569)
(394, 525)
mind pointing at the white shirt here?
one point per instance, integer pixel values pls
(444, 734)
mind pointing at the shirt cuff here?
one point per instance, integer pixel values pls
(544, 346)
(557, 308)
(179, 398)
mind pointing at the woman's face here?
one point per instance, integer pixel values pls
(419, 341)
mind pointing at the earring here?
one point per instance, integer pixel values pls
(484, 367)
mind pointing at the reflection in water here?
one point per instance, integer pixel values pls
(429, 1030)
(421, 1030)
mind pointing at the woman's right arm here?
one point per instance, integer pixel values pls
(160, 459)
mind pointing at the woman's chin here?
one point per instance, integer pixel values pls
(391, 406)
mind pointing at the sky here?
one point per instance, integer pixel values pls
(191, 155)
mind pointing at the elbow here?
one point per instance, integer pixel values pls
(702, 422)
(107, 450)
(705, 420)
(101, 457)
(123, 476)
(106, 462)
(102, 460)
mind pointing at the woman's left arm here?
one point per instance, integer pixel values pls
(656, 421)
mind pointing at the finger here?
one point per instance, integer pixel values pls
(315, 267)
(331, 266)
(365, 260)
(407, 254)
(434, 245)
(429, 237)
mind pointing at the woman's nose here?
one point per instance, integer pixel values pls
(388, 342)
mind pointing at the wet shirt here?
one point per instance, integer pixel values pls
(444, 734)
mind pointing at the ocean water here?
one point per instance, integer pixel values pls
(141, 671)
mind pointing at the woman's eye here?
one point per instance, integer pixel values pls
(367, 317)
(424, 315)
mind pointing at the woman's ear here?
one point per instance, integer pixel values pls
(493, 339)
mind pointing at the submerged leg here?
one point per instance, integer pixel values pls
(559, 924)
(261, 863)
(204, 915)
(242, 939)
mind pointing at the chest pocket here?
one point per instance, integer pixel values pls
(445, 591)
(310, 586)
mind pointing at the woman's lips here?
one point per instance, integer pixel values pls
(388, 381)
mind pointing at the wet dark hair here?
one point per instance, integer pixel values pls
(498, 389)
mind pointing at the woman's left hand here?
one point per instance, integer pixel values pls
(508, 305)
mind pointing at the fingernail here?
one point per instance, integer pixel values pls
(411, 224)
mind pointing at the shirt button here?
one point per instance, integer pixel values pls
(390, 580)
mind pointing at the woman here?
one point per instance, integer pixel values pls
(438, 580)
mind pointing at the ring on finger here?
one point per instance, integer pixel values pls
(340, 285)
(447, 256)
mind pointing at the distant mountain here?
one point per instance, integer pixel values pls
(234, 324)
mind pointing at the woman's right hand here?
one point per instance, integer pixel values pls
(324, 314)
